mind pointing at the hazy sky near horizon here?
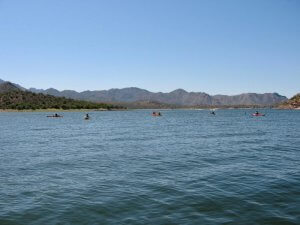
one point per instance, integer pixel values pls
(214, 46)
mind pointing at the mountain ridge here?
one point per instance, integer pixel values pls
(8, 86)
(177, 97)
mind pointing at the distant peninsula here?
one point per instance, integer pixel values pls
(12, 97)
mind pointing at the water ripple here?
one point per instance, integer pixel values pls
(186, 167)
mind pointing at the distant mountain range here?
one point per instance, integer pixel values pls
(177, 97)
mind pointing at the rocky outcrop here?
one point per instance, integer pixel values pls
(293, 103)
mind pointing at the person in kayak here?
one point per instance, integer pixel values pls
(156, 114)
(55, 115)
(258, 114)
(87, 116)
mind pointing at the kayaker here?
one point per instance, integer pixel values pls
(55, 115)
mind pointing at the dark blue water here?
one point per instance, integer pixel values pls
(186, 167)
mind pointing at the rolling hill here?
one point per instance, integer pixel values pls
(12, 97)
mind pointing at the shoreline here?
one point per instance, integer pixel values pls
(289, 108)
(106, 110)
(61, 110)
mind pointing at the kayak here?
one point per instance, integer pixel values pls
(54, 116)
(156, 114)
(86, 118)
(258, 114)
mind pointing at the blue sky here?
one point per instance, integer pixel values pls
(214, 46)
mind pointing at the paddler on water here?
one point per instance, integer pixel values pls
(55, 115)
(258, 114)
(156, 114)
(87, 116)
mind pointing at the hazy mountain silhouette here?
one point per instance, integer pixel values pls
(177, 97)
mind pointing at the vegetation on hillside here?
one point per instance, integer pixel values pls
(293, 103)
(24, 100)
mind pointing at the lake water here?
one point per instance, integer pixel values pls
(186, 167)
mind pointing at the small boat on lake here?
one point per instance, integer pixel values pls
(55, 116)
(258, 114)
(156, 114)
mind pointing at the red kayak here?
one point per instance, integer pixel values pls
(258, 114)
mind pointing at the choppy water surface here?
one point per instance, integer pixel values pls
(186, 167)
